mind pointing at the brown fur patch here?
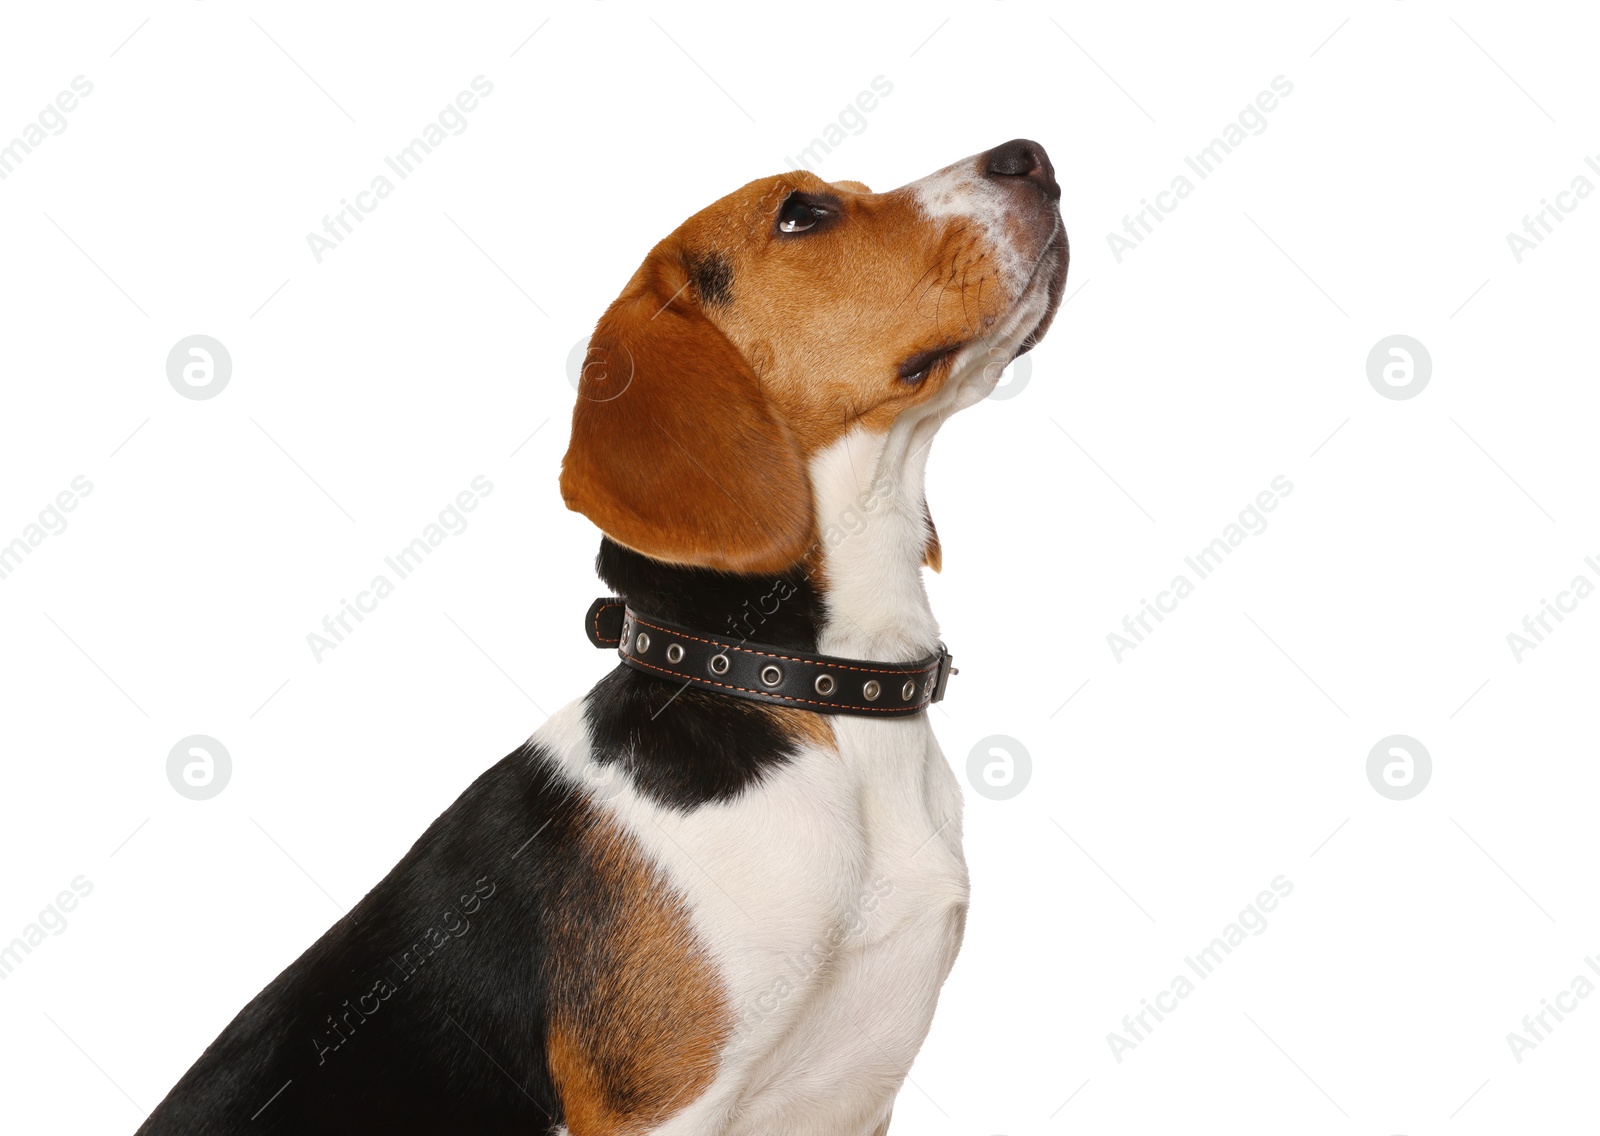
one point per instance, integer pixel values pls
(638, 1015)
(803, 725)
(675, 450)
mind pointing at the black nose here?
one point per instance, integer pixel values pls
(1023, 158)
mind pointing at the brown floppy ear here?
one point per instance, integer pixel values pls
(675, 452)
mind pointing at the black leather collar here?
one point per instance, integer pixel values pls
(824, 684)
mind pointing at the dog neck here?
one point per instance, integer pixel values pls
(783, 610)
(859, 593)
(874, 533)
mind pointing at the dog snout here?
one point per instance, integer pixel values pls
(1022, 162)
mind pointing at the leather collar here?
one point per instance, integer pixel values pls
(824, 684)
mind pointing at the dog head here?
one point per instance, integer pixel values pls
(786, 314)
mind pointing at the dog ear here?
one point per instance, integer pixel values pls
(675, 452)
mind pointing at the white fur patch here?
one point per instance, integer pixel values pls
(960, 191)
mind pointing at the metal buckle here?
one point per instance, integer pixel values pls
(946, 669)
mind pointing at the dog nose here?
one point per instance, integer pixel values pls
(1022, 158)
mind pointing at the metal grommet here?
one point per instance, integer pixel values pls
(675, 653)
(642, 643)
(871, 690)
(771, 675)
(824, 684)
(908, 690)
(927, 689)
(718, 664)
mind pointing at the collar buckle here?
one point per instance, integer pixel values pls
(946, 669)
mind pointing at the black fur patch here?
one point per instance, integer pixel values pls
(426, 1009)
(784, 610)
(713, 278)
(685, 748)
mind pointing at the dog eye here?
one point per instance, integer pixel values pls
(916, 369)
(797, 215)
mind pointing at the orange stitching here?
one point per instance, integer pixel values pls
(890, 669)
(768, 694)
(597, 611)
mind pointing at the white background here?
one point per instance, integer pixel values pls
(1229, 348)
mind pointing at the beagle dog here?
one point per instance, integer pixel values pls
(720, 892)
